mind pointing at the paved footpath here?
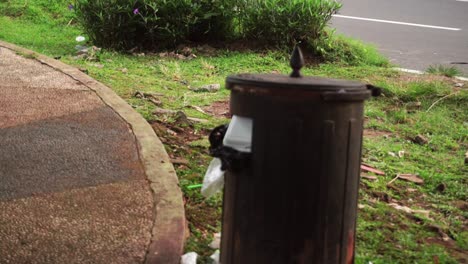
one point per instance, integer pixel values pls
(82, 179)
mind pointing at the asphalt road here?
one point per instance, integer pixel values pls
(414, 34)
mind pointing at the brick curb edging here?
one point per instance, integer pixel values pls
(168, 231)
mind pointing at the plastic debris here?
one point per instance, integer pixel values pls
(215, 257)
(189, 258)
(80, 39)
(411, 178)
(239, 134)
(401, 153)
(194, 186)
(214, 179)
(238, 137)
(216, 243)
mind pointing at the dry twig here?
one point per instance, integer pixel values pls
(430, 107)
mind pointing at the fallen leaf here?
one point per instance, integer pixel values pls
(155, 101)
(208, 88)
(440, 231)
(164, 111)
(199, 109)
(413, 104)
(408, 210)
(171, 132)
(368, 168)
(411, 178)
(368, 177)
(180, 161)
(199, 120)
(139, 94)
(421, 140)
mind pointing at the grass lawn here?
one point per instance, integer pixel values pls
(429, 108)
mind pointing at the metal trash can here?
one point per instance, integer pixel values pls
(293, 199)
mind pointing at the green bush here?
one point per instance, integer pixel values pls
(285, 22)
(152, 24)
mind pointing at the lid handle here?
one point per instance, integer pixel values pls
(296, 62)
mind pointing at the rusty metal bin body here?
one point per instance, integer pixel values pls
(297, 200)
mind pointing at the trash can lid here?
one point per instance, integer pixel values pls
(287, 82)
(295, 80)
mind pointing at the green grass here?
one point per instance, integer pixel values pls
(344, 50)
(47, 39)
(410, 106)
(443, 70)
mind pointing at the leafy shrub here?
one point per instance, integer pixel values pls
(285, 22)
(150, 24)
(154, 24)
(162, 23)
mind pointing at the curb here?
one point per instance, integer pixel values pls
(421, 72)
(168, 231)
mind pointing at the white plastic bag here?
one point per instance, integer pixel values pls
(189, 258)
(214, 179)
(215, 257)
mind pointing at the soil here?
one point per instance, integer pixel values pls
(201, 216)
(371, 133)
(177, 138)
(218, 109)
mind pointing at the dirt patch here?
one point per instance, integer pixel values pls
(462, 205)
(372, 133)
(177, 139)
(172, 133)
(203, 215)
(200, 215)
(218, 109)
(460, 255)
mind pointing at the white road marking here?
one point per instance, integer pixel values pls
(462, 0)
(397, 22)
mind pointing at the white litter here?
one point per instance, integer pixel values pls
(80, 39)
(239, 137)
(216, 243)
(189, 258)
(215, 257)
(214, 179)
(239, 134)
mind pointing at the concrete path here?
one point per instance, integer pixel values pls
(83, 178)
